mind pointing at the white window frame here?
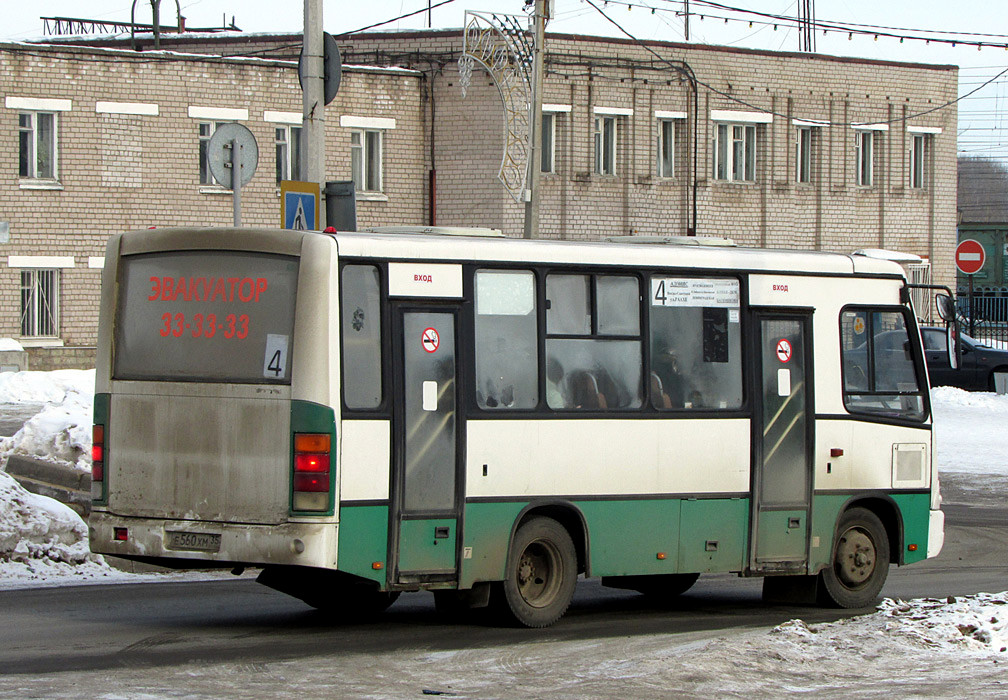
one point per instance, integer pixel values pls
(920, 146)
(40, 293)
(864, 148)
(734, 156)
(604, 139)
(28, 123)
(366, 172)
(286, 152)
(665, 166)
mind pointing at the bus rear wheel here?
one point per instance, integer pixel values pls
(860, 561)
(541, 573)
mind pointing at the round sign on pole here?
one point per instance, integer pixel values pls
(223, 162)
(430, 340)
(783, 350)
(970, 257)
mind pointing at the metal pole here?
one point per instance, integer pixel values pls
(236, 181)
(970, 305)
(535, 159)
(313, 101)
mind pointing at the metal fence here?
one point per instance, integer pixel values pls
(986, 316)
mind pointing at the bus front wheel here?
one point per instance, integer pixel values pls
(860, 561)
(541, 573)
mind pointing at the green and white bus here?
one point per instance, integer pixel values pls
(361, 414)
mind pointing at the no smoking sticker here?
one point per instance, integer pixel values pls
(783, 350)
(430, 340)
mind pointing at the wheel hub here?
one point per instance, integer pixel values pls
(536, 573)
(855, 558)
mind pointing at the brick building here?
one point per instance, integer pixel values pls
(772, 149)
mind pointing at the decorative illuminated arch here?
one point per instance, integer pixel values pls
(504, 46)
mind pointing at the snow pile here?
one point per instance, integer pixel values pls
(41, 538)
(61, 431)
(975, 623)
(10, 344)
(965, 426)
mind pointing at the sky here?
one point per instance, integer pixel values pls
(983, 116)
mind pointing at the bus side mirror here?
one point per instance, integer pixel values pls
(946, 307)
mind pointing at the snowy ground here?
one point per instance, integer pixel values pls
(901, 648)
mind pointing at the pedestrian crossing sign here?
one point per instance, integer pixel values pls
(299, 202)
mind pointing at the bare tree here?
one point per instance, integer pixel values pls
(982, 191)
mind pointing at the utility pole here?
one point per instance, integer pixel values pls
(535, 159)
(686, 18)
(313, 101)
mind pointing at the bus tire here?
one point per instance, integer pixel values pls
(860, 561)
(541, 573)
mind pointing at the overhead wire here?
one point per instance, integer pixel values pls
(745, 103)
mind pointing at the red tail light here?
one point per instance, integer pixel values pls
(98, 462)
(311, 471)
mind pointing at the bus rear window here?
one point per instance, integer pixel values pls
(205, 316)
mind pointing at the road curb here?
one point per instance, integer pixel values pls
(63, 483)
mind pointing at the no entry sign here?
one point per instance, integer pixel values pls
(969, 257)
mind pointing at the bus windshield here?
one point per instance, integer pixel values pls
(205, 316)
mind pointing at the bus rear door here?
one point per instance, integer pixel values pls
(426, 467)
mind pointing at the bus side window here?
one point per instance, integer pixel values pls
(360, 323)
(696, 345)
(593, 341)
(507, 363)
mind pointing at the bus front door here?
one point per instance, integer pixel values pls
(783, 428)
(425, 481)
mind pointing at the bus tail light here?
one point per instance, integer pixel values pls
(97, 462)
(311, 471)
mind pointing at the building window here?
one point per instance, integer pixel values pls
(919, 147)
(206, 130)
(864, 146)
(803, 155)
(37, 145)
(735, 152)
(666, 148)
(605, 145)
(39, 304)
(288, 153)
(366, 159)
(548, 163)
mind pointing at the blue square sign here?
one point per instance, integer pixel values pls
(299, 211)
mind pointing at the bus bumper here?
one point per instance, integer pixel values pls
(207, 543)
(936, 533)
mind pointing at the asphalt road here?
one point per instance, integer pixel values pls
(116, 627)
